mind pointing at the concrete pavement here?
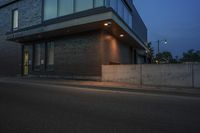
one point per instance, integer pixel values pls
(48, 108)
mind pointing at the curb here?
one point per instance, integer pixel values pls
(123, 89)
(118, 89)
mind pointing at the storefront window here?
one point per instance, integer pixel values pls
(50, 55)
(37, 56)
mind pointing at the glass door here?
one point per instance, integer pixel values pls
(26, 63)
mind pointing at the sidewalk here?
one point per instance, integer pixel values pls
(114, 86)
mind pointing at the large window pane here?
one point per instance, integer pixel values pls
(15, 19)
(50, 9)
(37, 56)
(120, 9)
(50, 54)
(98, 3)
(81, 5)
(66, 7)
(113, 4)
(126, 15)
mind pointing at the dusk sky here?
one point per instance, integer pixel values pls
(178, 21)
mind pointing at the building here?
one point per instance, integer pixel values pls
(69, 38)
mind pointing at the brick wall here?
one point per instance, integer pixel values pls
(115, 51)
(75, 55)
(10, 53)
(83, 54)
(78, 55)
(10, 58)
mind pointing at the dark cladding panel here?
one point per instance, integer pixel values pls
(6, 2)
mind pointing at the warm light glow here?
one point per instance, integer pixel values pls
(157, 62)
(107, 24)
(122, 35)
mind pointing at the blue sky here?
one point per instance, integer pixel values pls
(176, 20)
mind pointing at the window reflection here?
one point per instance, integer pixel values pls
(15, 19)
(81, 6)
(56, 8)
(37, 56)
(65, 7)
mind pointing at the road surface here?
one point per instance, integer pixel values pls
(43, 108)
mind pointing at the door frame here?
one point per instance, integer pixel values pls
(26, 60)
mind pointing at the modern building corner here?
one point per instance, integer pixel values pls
(70, 39)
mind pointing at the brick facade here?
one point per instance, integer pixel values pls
(10, 52)
(83, 54)
(76, 55)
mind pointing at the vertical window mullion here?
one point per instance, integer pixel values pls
(74, 2)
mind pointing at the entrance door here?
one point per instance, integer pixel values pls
(26, 62)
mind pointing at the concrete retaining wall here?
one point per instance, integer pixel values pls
(196, 71)
(180, 75)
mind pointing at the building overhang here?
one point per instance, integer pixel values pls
(61, 27)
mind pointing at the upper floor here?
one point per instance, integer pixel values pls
(21, 14)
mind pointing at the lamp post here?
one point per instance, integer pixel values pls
(159, 43)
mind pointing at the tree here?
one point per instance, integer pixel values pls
(150, 52)
(165, 57)
(191, 56)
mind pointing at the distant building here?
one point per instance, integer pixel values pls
(69, 38)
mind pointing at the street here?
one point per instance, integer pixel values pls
(43, 108)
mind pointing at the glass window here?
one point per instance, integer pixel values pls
(126, 13)
(130, 21)
(15, 19)
(113, 4)
(50, 54)
(120, 9)
(98, 3)
(66, 7)
(37, 56)
(81, 5)
(50, 9)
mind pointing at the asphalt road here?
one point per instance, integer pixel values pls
(34, 108)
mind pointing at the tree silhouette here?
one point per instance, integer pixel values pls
(191, 56)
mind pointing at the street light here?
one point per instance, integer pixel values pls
(160, 42)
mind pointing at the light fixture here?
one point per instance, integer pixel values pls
(121, 35)
(165, 41)
(107, 24)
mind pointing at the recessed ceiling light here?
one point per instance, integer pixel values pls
(122, 35)
(107, 24)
